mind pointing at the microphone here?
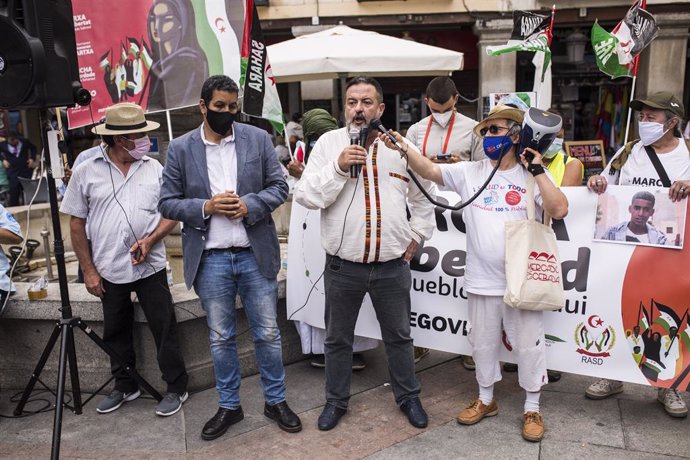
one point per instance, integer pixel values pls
(376, 124)
(355, 140)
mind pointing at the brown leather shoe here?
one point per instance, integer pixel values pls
(533, 427)
(477, 411)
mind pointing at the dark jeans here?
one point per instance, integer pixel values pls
(118, 325)
(388, 285)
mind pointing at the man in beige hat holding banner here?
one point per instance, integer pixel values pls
(113, 198)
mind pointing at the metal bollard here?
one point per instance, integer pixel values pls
(45, 233)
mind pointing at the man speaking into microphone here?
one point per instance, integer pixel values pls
(368, 241)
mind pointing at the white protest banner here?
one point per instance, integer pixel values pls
(610, 289)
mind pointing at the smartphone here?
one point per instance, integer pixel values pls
(443, 156)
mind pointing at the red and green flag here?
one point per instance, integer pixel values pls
(615, 51)
(133, 46)
(643, 321)
(104, 62)
(217, 37)
(667, 318)
(257, 82)
(146, 55)
(531, 32)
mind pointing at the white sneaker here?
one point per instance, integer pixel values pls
(603, 388)
(673, 402)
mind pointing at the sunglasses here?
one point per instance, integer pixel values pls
(493, 129)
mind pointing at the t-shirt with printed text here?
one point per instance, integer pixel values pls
(503, 200)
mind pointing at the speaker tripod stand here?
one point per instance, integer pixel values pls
(64, 329)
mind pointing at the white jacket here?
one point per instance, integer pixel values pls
(384, 188)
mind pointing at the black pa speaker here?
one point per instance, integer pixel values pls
(38, 55)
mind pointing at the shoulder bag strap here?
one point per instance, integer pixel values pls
(654, 158)
(531, 207)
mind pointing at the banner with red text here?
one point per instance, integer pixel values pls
(626, 310)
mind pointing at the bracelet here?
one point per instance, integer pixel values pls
(535, 169)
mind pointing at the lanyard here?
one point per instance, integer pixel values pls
(448, 131)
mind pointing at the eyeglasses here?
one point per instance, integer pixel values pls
(493, 129)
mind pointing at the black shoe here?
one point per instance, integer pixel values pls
(415, 413)
(510, 367)
(554, 376)
(330, 417)
(318, 361)
(219, 423)
(358, 362)
(281, 413)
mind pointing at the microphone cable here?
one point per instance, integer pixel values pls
(342, 238)
(376, 124)
(136, 239)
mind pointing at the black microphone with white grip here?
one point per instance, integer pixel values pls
(376, 124)
(354, 134)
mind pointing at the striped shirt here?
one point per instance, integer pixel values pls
(112, 228)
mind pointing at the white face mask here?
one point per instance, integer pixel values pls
(442, 118)
(650, 132)
(554, 148)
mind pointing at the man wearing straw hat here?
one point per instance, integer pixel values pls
(114, 194)
(485, 278)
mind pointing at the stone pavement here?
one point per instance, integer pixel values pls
(629, 426)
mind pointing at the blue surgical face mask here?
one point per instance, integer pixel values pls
(495, 146)
(555, 147)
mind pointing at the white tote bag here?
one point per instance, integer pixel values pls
(533, 267)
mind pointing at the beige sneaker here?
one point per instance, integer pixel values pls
(477, 411)
(533, 427)
(603, 388)
(673, 402)
(468, 363)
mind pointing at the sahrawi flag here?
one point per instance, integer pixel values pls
(685, 336)
(531, 32)
(217, 37)
(667, 318)
(644, 318)
(616, 51)
(260, 91)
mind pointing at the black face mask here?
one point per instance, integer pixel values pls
(220, 122)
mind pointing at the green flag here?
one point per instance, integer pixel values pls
(213, 21)
(539, 43)
(531, 32)
(604, 45)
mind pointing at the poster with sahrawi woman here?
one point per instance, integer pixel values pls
(155, 53)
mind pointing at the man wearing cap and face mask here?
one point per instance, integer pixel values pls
(503, 200)
(223, 180)
(660, 119)
(114, 193)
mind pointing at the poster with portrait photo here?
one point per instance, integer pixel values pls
(642, 216)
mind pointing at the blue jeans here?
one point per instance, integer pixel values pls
(388, 285)
(221, 276)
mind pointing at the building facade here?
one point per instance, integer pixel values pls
(583, 94)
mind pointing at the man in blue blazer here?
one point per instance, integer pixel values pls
(222, 181)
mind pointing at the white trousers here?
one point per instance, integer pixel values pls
(312, 339)
(489, 317)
